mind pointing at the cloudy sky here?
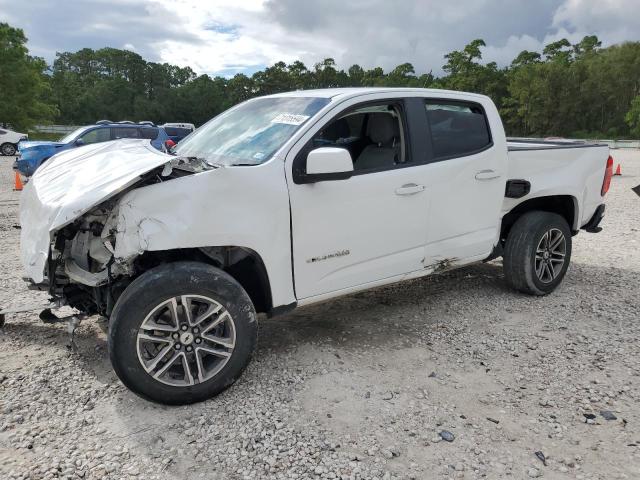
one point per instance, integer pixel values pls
(228, 36)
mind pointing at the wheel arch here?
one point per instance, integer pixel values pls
(243, 264)
(564, 205)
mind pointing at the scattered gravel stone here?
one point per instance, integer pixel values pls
(608, 415)
(534, 473)
(541, 457)
(447, 435)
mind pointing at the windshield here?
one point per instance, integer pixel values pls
(72, 135)
(252, 132)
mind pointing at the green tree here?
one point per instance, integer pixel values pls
(525, 57)
(403, 75)
(356, 76)
(558, 51)
(24, 88)
(587, 46)
(373, 77)
(633, 117)
(466, 73)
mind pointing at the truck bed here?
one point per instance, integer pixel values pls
(559, 167)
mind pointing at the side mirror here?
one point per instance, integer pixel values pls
(79, 142)
(327, 163)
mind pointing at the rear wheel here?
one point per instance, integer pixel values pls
(537, 252)
(182, 333)
(8, 149)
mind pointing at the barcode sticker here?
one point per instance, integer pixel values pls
(290, 119)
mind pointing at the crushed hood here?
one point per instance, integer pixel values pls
(73, 182)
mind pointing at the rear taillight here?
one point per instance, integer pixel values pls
(608, 173)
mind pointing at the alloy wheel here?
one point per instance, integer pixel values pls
(550, 254)
(186, 340)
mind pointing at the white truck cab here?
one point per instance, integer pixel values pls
(289, 200)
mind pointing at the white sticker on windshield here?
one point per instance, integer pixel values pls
(290, 119)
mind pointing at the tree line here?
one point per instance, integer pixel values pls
(578, 90)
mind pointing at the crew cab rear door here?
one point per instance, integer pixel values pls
(466, 176)
(367, 228)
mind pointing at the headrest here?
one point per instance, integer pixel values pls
(381, 127)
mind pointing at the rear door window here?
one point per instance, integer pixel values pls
(457, 129)
(124, 132)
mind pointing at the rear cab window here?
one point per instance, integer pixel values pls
(457, 128)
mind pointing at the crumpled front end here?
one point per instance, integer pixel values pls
(68, 216)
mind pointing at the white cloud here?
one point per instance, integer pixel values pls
(613, 20)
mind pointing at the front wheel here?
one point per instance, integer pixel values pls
(8, 149)
(181, 333)
(537, 252)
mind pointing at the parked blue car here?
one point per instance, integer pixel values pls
(33, 154)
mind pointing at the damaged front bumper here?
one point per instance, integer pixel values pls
(69, 215)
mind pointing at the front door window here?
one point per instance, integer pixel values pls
(96, 135)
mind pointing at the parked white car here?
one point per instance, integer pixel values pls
(289, 200)
(9, 141)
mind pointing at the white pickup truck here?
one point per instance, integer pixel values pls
(288, 200)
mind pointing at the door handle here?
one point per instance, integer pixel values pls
(487, 175)
(410, 189)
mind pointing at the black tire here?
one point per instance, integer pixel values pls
(8, 149)
(519, 258)
(164, 283)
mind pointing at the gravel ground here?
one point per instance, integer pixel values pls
(369, 386)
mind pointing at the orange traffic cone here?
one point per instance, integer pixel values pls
(618, 172)
(18, 183)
